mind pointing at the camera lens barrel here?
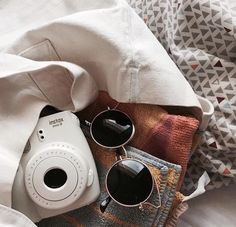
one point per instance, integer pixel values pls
(56, 176)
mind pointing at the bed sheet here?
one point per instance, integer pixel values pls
(200, 36)
(215, 208)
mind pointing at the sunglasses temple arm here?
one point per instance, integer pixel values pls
(104, 204)
(159, 195)
(150, 204)
(85, 126)
(159, 198)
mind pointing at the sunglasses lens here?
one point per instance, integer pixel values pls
(112, 128)
(129, 182)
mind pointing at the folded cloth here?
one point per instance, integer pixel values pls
(14, 218)
(166, 136)
(166, 176)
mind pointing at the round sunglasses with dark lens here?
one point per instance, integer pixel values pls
(129, 182)
(112, 128)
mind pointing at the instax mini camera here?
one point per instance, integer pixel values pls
(57, 172)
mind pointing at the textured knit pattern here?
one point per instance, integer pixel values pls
(171, 139)
(200, 37)
(166, 176)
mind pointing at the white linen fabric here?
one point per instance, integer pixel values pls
(10, 218)
(63, 53)
(214, 208)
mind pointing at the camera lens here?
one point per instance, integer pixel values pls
(55, 178)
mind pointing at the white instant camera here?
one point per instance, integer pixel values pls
(57, 172)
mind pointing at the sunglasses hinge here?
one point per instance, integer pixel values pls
(141, 207)
(87, 123)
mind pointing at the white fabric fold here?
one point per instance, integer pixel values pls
(125, 59)
(13, 218)
(21, 102)
(202, 182)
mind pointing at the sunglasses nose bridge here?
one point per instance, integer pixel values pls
(119, 153)
(125, 151)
